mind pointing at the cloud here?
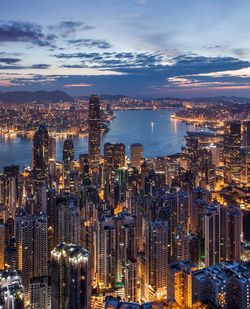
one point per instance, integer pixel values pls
(9, 60)
(102, 44)
(137, 73)
(77, 85)
(25, 32)
(66, 28)
(40, 66)
(21, 67)
(113, 60)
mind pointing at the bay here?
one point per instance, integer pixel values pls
(159, 134)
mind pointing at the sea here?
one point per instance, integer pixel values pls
(155, 130)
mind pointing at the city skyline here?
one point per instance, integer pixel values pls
(138, 48)
(124, 154)
(111, 229)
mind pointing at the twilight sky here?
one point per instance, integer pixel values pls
(148, 48)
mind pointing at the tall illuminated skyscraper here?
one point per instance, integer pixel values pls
(136, 154)
(52, 148)
(2, 245)
(179, 282)
(40, 246)
(70, 277)
(11, 290)
(41, 154)
(114, 155)
(232, 145)
(247, 131)
(40, 296)
(94, 131)
(24, 229)
(68, 151)
(68, 157)
(69, 222)
(212, 225)
(156, 257)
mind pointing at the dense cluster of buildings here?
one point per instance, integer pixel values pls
(110, 231)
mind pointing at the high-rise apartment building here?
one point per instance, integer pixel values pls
(40, 296)
(232, 162)
(179, 282)
(94, 131)
(11, 290)
(41, 154)
(70, 277)
(224, 285)
(40, 246)
(114, 155)
(136, 155)
(156, 255)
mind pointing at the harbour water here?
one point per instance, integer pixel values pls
(159, 134)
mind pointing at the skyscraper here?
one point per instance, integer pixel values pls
(40, 246)
(232, 152)
(156, 257)
(68, 151)
(41, 154)
(212, 224)
(70, 277)
(40, 296)
(69, 222)
(136, 154)
(223, 285)
(11, 290)
(24, 235)
(2, 245)
(179, 282)
(114, 155)
(68, 157)
(247, 133)
(94, 131)
(52, 148)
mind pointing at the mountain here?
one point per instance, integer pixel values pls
(19, 97)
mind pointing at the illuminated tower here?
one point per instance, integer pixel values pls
(11, 290)
(24, 229)
(40, 246)
(114, 155)
(68, 157)
(212, 224)
(105, 252)
(10, 194)
(2, 245)
(41, 154)
(156, 257)
(247, 131)
(136, 154)
(52, 148)
(69, 222)
(70, 277)
(179, 282)
(125, 229)
(94, 131)
(232, 145)
(40, 296)
(234, 233)
(68, 151)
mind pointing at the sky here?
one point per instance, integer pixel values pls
(139, 48)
